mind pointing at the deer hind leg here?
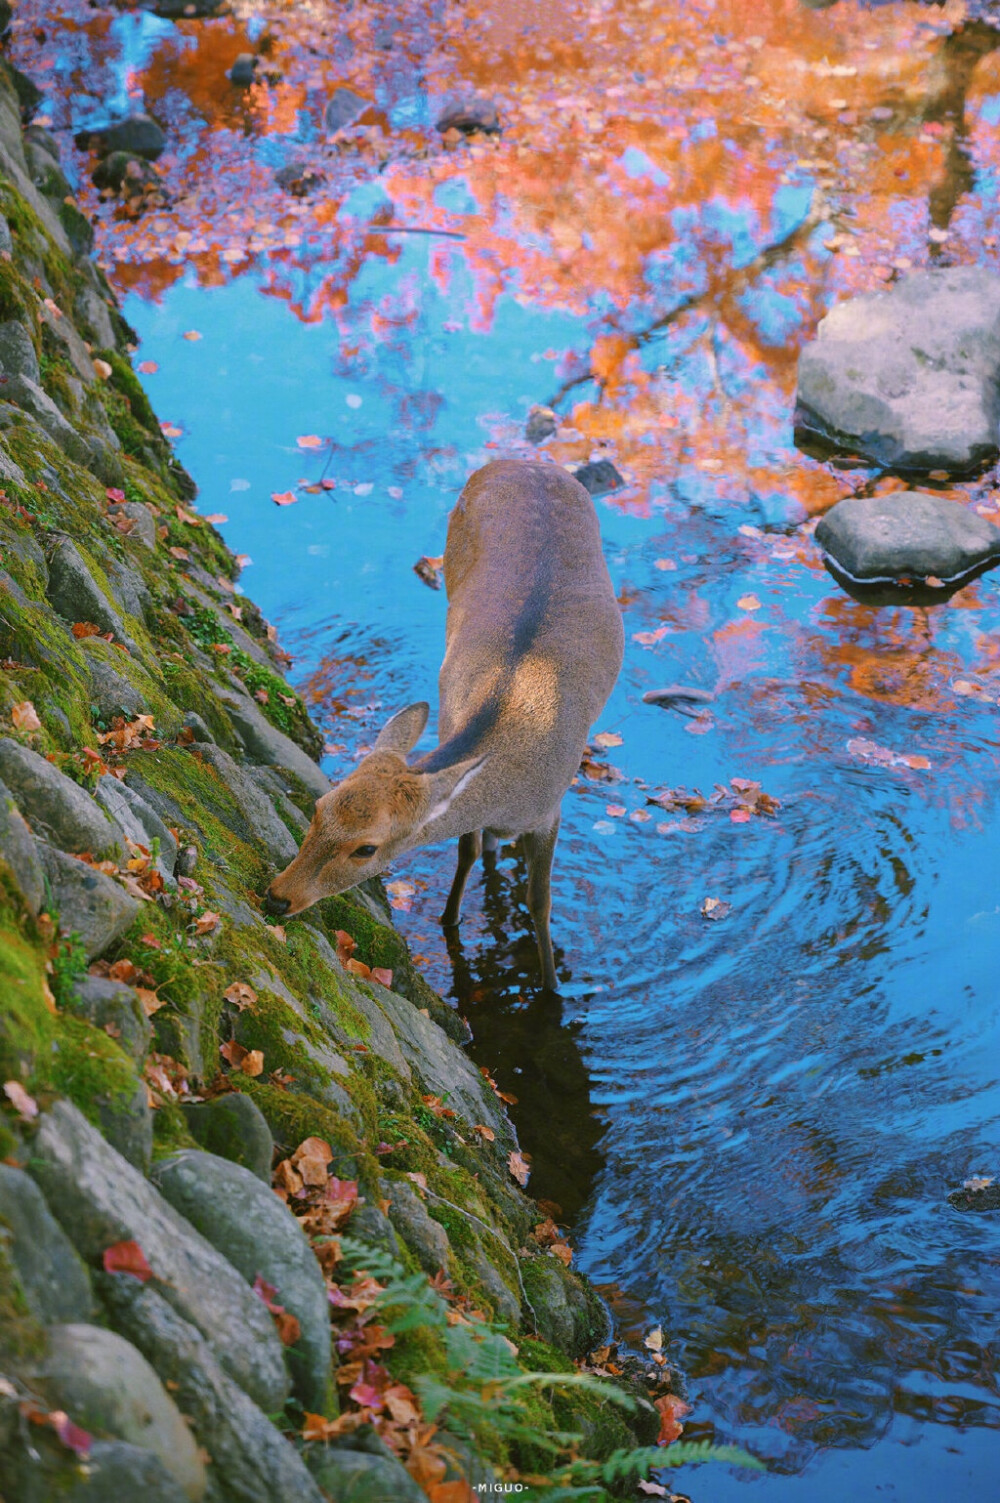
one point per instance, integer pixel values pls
(469, 847)
(491, 844)
(539, 848)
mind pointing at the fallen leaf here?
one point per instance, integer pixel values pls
(150, 1001)
(217, 518)
(127, 1257)
(240, 995)
(192, 335)
(382, 975)
(748, 603)
(207, 922)
(102, 369)
(24, 717)
(715, 909)
(180, 553)
(284, 498)
(654, 1339)
(650, 638)
(671, 1410)
(484, 1132)
(253, 1063)
(26, 1106)
(147, 367)
(310, 441)
(606, 739)
(519, 1167)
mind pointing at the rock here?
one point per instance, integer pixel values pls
(76, 595)
(242, 72)
(18, 849)
(139, 136)
(567, 1317)
(37, 135)
(908, 534)
(117, 1471)
(17, 352)
(30, 396)
(107, 1387)
(257, 1463)
(260, 1237)
(426, 1238)
(187, 860)
(116, 1008)
(89, 904)
(265, 744)
(100, 1200)
(372, 1226)
(599, 476)
(910, 377)
(193, 722)
(468, 114)
(262, 824)
(137, 820)
(357, 1477)
(127, 1124)
(127, 173)
(299, 179)
(137, 512)
(343, 108)
(977, 1195)
(45, 172)
(56, 807)
(233, 1127)
(128, 589)
(542, 423)
(51, 1273)
(442, 1066)
(112, 694)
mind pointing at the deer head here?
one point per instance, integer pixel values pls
(385, 807)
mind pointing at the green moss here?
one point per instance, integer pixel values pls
(15, 296)
(208, 809)
(22, 1336)
(293, 1117)
(170, 1131)
(88, 1067)
(25, 1017)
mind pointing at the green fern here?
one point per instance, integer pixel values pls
(485, 1390)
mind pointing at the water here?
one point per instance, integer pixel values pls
(753, 1124)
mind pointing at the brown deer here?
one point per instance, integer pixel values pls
(534, 643)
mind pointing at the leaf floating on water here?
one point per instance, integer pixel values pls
(606, 739)
(310, 441)
(714, 909)
(881, 756)
(284, 498)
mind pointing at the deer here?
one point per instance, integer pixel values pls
(533, 646)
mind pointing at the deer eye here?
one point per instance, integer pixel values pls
(365, 850)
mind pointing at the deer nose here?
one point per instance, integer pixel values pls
(274, 905)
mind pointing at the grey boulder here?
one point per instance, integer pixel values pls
(56, 808)
(89, 904)
(906, 534)
(139, 821)
(266, 744)
(18, 849)
(108, 1387)
(76, 595)
(51, 1273)
(909, 377)
(100, 1200)
(360, 1477)
(257, 1463)
(138, 134)
(116, 1008)
(425, 1237)
(260, 1237)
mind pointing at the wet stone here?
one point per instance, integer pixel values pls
(977, 1195)
(468, 114)
(51, 1273)
(599, 476)
(342, 109)
(139, 135)
(906, 534)
(909, 377)
(242, 72)
(541, 424)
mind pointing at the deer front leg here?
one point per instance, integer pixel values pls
(468, 853)
(539, 848)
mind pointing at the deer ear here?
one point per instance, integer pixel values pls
(403, 731)
(446, 785)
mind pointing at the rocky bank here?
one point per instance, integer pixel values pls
(165, 1315)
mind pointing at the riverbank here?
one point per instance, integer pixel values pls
(164, 1324)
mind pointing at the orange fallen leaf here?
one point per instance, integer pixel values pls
(671, 1410)
(217, 517)
(207, 922)
(284, 498)
(240, 995)
(127, 1257)
(192, 335)
(604, 739)
(519, 1167)
(748, 603)
(180, 553)
(24, 717)
(484, 1132)
(309, 441)
(147, 367)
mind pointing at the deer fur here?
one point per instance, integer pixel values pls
(534, 643)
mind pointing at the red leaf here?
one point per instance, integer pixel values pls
(284, 498)
(127, 1257)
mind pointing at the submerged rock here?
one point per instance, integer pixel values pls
(541, 424)
(599, 476)
(469, 113)
(909, 377)
(242, 72)
(343, 108)
(907, 534)
(139, 135)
